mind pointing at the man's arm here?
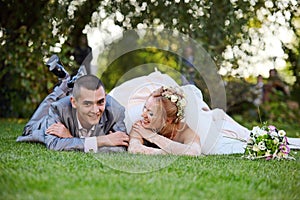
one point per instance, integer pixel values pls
(61, 113)
(113, 142)
(59, 130)
(54, 140)
(63, 144)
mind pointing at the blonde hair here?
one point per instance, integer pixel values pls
(171, 103)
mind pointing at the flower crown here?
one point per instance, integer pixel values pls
(176, 96)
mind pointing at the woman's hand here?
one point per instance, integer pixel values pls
(144, 133)
(59, 130)
(136, 145)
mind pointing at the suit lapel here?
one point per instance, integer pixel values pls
(75, 122)
(101, 126)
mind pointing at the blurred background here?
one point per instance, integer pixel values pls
(254, 44)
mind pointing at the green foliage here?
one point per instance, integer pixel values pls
(198, 19)
(30, 30)
(30, 171)
(138, 63)
(280, 109)
(239, 95)
(25, 44)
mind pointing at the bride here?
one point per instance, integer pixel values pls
(165, 118)
(161, 125)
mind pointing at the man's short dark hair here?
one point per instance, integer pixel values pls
(90, 82)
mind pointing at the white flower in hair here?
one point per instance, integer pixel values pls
(182, 102)
(176, 96)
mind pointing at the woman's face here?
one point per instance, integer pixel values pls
(152, 115)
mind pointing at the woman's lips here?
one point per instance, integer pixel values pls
(145, 122)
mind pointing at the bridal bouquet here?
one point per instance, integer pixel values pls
(267, 142)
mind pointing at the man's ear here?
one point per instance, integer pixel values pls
(73, 102)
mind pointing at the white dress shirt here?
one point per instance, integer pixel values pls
(90, 143)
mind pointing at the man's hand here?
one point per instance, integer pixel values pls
(59, 130)
(117, 138)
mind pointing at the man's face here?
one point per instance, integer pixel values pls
(90, 106)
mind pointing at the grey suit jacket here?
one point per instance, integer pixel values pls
(62, 111)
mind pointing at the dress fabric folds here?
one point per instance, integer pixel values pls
(219, 133)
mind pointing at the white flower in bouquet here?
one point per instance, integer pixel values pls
(273, 134)
(268, 153)
(251, 141)
(261, 145)
(267, 142)
(255, 147)
(281, 133)
(276, 140)
(255, 130)
(258, 131)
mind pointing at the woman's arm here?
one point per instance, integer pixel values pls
(190, 146)
(136, 145)
(173, 147)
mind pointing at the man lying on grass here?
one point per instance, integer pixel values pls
(87, 120)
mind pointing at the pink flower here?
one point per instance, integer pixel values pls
(269, 158)
(272, 128)
(284, 149)
(284, 140)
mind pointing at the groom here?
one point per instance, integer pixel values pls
(88, 120)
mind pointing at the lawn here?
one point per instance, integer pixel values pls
(30, 171)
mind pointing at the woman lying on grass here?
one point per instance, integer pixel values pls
(161, 125)
(163, 130)
(176, 120)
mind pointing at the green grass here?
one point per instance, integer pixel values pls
(30, 171)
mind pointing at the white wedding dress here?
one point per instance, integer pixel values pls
(219, 133)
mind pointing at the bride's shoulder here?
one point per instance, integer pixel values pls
(186, 135)
(184, 127)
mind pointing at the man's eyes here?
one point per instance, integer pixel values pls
(87, 103)
(101, 102)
